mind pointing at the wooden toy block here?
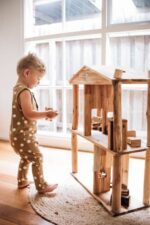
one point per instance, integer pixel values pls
(134, 141)
(96, 122)
(125, 197)
(131, 133)
(125, 201)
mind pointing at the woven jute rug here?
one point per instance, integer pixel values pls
(71, 204)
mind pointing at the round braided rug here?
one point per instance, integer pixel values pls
(71, 204)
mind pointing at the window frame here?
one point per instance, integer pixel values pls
(104, 32)
(131, 25)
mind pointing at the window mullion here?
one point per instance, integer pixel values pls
(64, 84)
(64, 111)
(52, 60)
(52, 74)
(103, 46)
(54, 107)
(63, 14)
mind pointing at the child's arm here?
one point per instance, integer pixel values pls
(29, 111)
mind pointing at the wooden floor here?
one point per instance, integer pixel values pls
(15, 208)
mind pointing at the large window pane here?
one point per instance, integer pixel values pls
(63, 54)
(44, 17)
(59, 107)
(83, 15)
(82, 52)
(45, 99)
(47, 12)
(69, 109)
(131, 52)
(42, 50)
(129, 11)
(135, 109)
(59, 66)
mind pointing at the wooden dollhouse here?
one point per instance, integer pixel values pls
(102, 90)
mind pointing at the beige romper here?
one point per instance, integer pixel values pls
(24, 142)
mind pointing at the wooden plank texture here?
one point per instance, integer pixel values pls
(19, 216)
(15, 208)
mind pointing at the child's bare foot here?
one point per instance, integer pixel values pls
(24, 185)
(49, 188)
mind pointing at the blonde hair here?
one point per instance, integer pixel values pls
(30, 61)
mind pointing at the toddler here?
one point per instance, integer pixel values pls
(25, 114)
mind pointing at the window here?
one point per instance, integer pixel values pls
(44, 17)
(47, 12)
(62, 59)
(130, 50)
(129, 11)
(68, 34)
(82, 52)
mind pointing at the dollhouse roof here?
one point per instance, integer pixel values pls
(105, 75)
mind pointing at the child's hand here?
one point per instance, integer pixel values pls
(50, 113)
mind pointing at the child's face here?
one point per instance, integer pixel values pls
(34, 77)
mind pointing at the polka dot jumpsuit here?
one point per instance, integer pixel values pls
(24, 142)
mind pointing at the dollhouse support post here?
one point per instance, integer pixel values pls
(117, 164)
(146, 194)
(96, 180)
(87, 110)
(102, 169)
(104, 110)
(116, 184)
(74, 127)
(125, 169)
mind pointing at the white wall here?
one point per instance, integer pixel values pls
(11, 49)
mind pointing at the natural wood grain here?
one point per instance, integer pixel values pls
(117, 147)
(74, 153)
(104, 109)
(103, 91)
(125, 169)
(101, 140)
(4, 222)
(87, 110)
(75, 126)
(19, 216)
(15, 208)
(105, 75)
(117, 127)
(102, 169)
(146, 194)
(116, 186)
(75, 107)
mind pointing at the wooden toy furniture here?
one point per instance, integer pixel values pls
(102, 91)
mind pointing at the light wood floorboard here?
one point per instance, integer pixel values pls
(15, 208)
